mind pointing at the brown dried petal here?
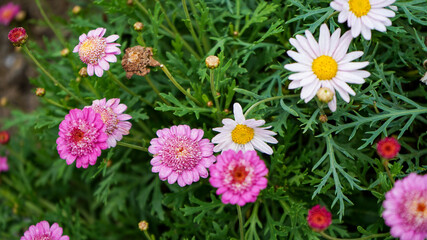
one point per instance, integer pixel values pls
(137, 60)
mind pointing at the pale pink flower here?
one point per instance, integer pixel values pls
(405, 208)
(180, 154)
(113, 117)
(8, 12)
(239, 176)
(4, 167)
(319, 218)
(81, 137)
(42, 231)
(96, 51)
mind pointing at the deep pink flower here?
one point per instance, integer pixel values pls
(180, 154)
(238, 176)
(96, 51)
(112, 115)
(4, 167)
(81, 137)
(18, 36)
(388, 147)
(405, 208)
(42, 231)
(8, 12)
(319, 218)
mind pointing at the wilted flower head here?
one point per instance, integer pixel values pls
(325, 64)
(319, 218)
(8, 12)
(18, 36)
(405, 208)
(42, 231)
(180, 154)
(4, 167)
(137, 60)
(388, 147)
(4, 137)
(114, 119)
(239, 176)
(81, 137)
(96, 51)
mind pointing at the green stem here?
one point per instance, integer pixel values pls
(155, 89)
(237, 24)
(191, 29)
(91, 88)
(269, 99)
(172, 79)
(202, 35)
(385, 164)
(133, 146)
(55, 103)
(55, 82)
(55, 30)
(239, 213)
(361, 238)
(147, 235)
(117, 81)
(215, 97)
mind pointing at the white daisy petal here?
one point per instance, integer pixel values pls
(357, 28)
(350, 78)
(296, 67)
(342, 47)
(352, 66)
(351, 56)
(238, 113)
(344, 86)
(262, 146)
(336, 6)
(382, 4)
(304, 43)
(334, 41)
(343, 16)
(333, 104)
(301, 58)
(294, 84)
(366, 32)
(313, 44)
(324, 39)
(300, 75)
(307, 91)
(308, 80)
(366, 22)
(344, 95)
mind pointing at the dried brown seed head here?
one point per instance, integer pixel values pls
(137, 60)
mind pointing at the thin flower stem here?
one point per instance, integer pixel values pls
(55, 82)
(361, 238)
(214, 95)
(385, 164)
(147, 235)
(239, 213)
(118, 82)
(177, 85)
(191, 29)
(205, 42)
(55, 30)
(269, 99)
(55, 103)
(133, 146)
(91, 88)
(237, 24)
(155, 89)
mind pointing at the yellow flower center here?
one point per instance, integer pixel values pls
(242, 134)
(92, 50)
(324, 67)
(359, 7)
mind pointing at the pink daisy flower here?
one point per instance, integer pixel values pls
(81, 137)
(4, 167)
(112, 115)
(42, 231)
(319, 218)
(17, 36)
(96, 51)
(405, 208)
(8, 12)
(180, 154)
(388, 147)
(239, 176)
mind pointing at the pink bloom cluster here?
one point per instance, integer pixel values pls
(319, 218)
(238, 176)
(42, 231)
(4, 167)
(8, 12)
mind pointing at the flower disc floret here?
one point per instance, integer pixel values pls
(405, 208)
(388, 147)
(319, 218)
(42, 231)
(239, 176)
(181, 155)
(81, 137)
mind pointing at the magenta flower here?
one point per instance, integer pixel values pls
(17, 36)
(239, 176)
(113, 118)
(388, 147)
(8, 12)
(405, 208)
(81, 137)
(180, 154)
(96, 51)
(42, 231)
(319, 218)
(4, 167)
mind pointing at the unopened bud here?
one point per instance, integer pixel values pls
(323, 118)
(129, 2)
(325, 94)
(76, 10)
(212, 62)
(20, 16)
(109, 163)
(143, 225)
(235, 33)
(40, 92)
(78, 79)
(65, 52)
(4, 137)
(3, 101)
(18, 36)
(83, 72)
(226, 110)
(138, 26)
(209, 104)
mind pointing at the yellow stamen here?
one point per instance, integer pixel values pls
(359, 7)
(242, 134)
(324, 67)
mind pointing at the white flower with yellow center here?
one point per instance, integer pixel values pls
(325, 64)
(364, 15)
(242, 134)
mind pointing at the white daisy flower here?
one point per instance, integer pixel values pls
(242, 134)
(364, 15)
(325, 64)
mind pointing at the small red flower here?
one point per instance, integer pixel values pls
(18, 36)
(4, 137)
(388, 147)
(319, 218)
